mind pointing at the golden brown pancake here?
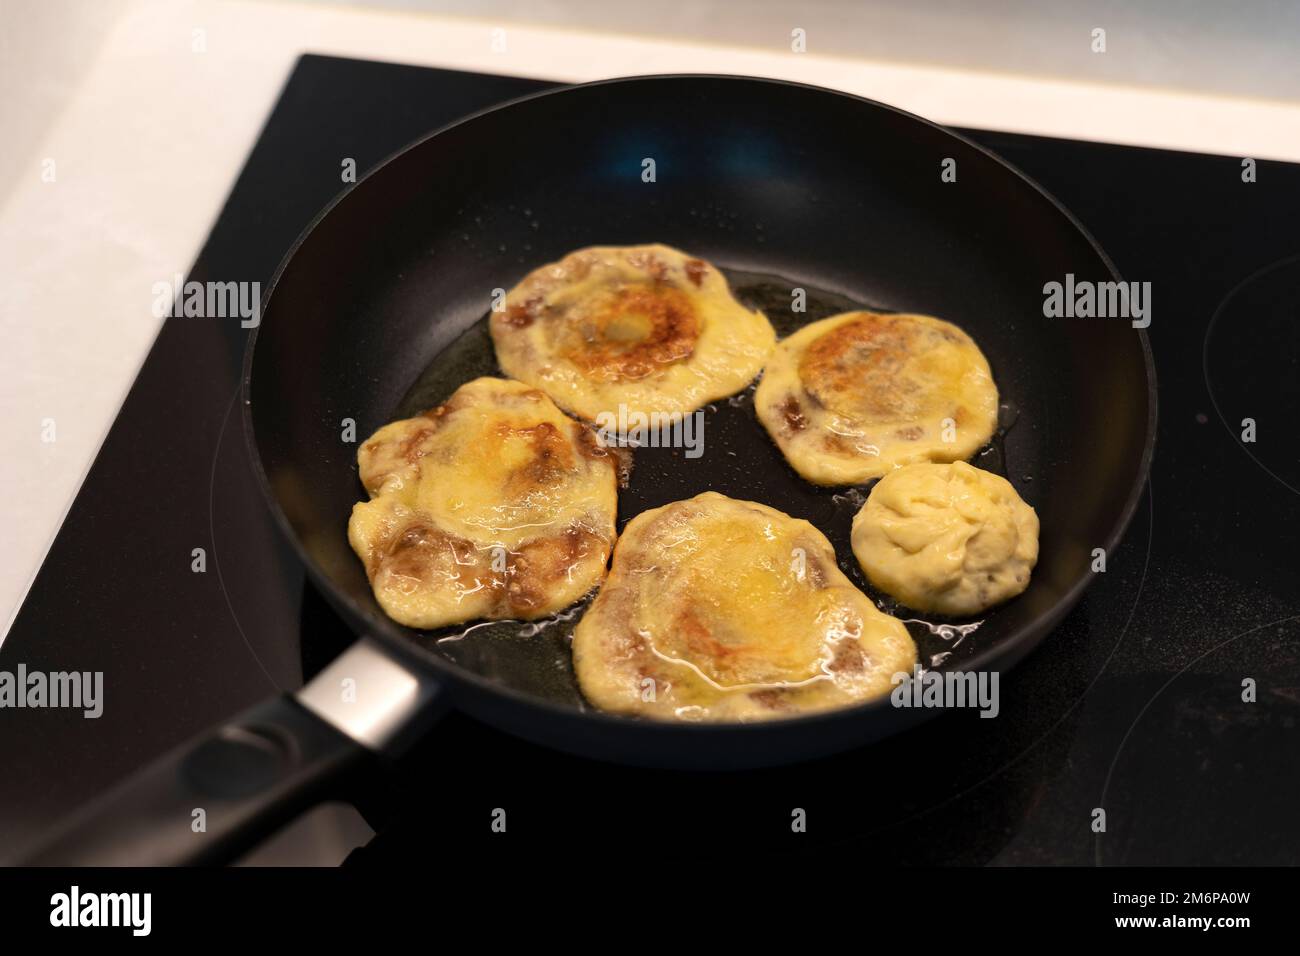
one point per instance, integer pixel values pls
(493, 505)
(852, 397)
(648, 328)
(948, 539)
(717, 610)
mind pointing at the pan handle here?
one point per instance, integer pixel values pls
(223, 792)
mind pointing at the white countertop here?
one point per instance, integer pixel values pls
(147, 134)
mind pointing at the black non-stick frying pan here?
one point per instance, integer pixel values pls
(378, 311)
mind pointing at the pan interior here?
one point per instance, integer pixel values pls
(738, 459)
(380, 314)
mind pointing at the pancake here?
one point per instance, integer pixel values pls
(493, 505)
(852, 397)
(947, 539)
(725, 610)
(647, 328)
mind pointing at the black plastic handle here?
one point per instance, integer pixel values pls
(213, 798)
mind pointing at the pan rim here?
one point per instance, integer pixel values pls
(1009, 652)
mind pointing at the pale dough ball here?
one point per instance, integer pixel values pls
(946, 538)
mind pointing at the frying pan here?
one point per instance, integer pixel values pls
(378, 311)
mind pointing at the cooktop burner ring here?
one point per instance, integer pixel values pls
(1240, 358)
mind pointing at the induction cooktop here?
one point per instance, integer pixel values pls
(1137, 704)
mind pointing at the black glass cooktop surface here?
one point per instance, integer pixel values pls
(1134, 705)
